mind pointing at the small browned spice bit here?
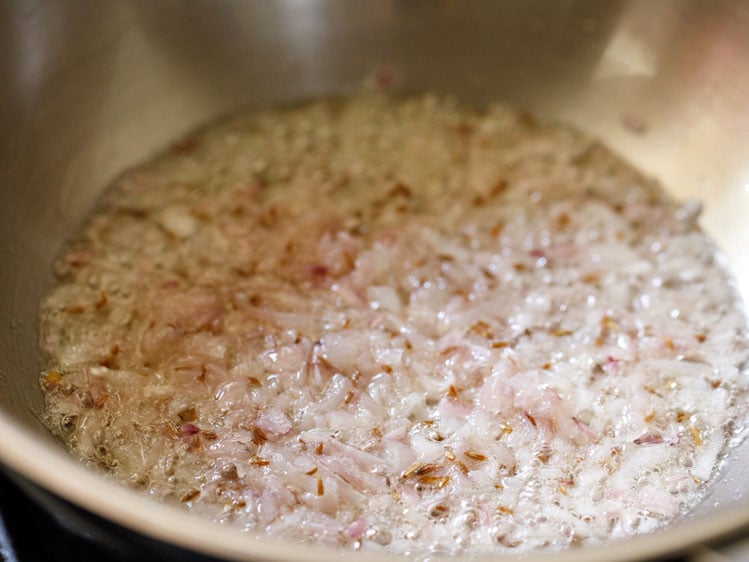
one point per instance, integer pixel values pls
(191, 495)
(505, 540)
(75, 309)
(325, 363)
(504, 429)
(478, 201)
(650, 417)
(505, 510)
(473, 455)
(260, 461)
(519, 267)
(561, 333)
(592, 278)
(349, 397)
(100, 399)
(133, 212)
(320, 487)
(452, 392)
(102, 301)
(531, 419)
(187, 145)
(544, 455)
(681, 417)
(463, 129)
(187, 414)
(696, 435)
(700, 338)
(563, 221)
(110, 361)
(258, 435)
(425, 469)
(253, 381)
(449, 455)
(651, 390)
(499, 344)
(52, 379)
(439, 481)
(482, 329)
(449, 350)
(527, 119)
(716, 383)
(319, 448)
(440, 510)
(546, 366)
(461, 465)
(377, 432)
(499, 187)
(400, 189)
(387, 369)
(411, 470)
(489, 275)
(171, 430)
(209, 434)
(319, 271)
(311, 472)
(668, 342)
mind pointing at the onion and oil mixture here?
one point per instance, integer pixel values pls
(399, 325)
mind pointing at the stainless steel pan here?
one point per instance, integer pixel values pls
(88, 88)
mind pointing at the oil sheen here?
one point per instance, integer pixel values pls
(398, 325)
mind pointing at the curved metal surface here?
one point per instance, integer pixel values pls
(89, 88)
